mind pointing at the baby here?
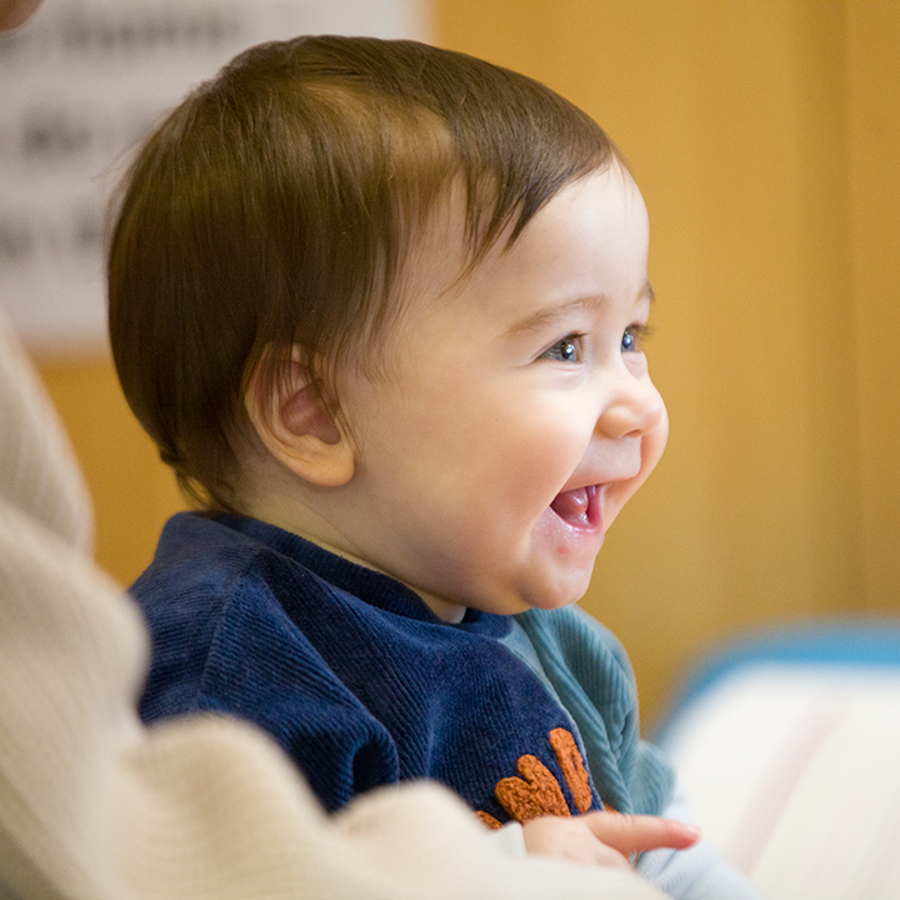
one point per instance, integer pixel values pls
(382, 308)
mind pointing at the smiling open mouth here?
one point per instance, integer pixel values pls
(578, 507)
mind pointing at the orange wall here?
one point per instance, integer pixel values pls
(873, 50)
(764, 137)
(133, 492)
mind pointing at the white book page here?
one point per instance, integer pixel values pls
(794, 773)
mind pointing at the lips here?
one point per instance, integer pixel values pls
(578, 507)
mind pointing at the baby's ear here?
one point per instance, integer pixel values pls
(293, 423)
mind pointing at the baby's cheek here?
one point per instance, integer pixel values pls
(653, 445)
(619, 494)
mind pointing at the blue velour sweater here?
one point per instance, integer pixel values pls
(363, 686)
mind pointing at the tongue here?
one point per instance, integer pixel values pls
(571, 505)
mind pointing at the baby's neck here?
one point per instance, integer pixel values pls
(284, 515)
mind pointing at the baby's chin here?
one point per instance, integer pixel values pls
(550, 569)
(557, 593)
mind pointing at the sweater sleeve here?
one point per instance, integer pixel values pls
(698, 873)
(38, 471)
(593, 679)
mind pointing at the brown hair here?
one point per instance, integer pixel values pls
(276, 204)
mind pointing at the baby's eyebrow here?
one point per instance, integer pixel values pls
(547, 316)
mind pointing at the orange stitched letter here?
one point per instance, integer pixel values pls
(488, 820)
(572, 765)
(539, 794)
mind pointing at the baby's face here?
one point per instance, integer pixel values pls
(518, 416)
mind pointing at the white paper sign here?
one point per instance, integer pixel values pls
(79, 86)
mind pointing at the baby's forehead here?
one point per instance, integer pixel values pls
(444, 259)
(441, 252)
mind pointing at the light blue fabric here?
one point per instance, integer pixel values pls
(698, 873)
(587, 669)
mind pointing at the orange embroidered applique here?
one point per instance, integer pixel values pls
(488, 820)
(569, 758)
(537, 792)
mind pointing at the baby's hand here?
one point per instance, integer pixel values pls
(605, 838)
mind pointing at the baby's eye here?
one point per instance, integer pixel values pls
(633, 337)
(566, 350)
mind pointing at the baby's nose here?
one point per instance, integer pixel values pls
(636, 408)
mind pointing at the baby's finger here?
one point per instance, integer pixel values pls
(635, 834)
(569, 838)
